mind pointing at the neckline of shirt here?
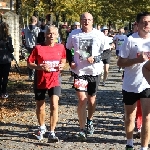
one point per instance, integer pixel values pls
(143, 38)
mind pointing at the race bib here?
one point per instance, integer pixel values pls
(80, 84)
(53, 65)
(145, 53)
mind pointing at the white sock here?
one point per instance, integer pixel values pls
(42, 127)
(144, 148)
(52, 132)
(130, 142)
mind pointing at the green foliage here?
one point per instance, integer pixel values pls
(116, 11)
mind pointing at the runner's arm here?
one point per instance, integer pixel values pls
(63, 59)
(146, 71)
(62, 64)
(126, 62)
(32, 65)
(69, 44)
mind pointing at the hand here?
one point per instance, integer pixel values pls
(73, 65)
(142, 57)
(61, 66)
(43, 67)
(90, 60)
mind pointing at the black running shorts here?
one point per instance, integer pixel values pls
(129, 98)
(86, 83)
(40, 93)
(108, 55)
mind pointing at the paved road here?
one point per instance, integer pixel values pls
(16, 132)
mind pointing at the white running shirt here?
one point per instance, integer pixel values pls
(86, 45)
(133, 78)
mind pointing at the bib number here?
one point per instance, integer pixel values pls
(53, 65)
(145, 53)
(80, 84)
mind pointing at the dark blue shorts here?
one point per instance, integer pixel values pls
(117, 52)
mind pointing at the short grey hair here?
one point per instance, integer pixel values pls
(82, 15)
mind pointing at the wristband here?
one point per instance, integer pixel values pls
(97, 59)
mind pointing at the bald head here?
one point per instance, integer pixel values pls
(86, 14)
(86, 20)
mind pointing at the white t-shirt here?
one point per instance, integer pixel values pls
(119, 40)
(133, 78)
(86, 45)
(108, 41)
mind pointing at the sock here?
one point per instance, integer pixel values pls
(42, 127)
(130, 142)
(144, 148)
(52, 132)
(89, 121)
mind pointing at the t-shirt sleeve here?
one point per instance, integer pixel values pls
(125, 48)
(69, 44)
(32, 56)
(103, 42)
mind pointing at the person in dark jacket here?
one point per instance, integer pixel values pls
(6, 50)
(31, 35)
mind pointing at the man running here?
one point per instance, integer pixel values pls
(88, 44)
(134, 54)
(50, 58)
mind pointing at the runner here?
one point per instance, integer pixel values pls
(88, 44)
(76, 25)
(107, 53)
(119, 40)
(50, 58)
(135, 87)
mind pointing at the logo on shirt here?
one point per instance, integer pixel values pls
(85, 48)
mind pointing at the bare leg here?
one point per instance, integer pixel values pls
(106, 67)
(91, 106)
(145, 132)
(130, 115)
(53, 112)
(82, 114)
(40, 111)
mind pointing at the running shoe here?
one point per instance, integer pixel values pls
(128, 147)
(52, 138)
(90, 128)
(40, 133)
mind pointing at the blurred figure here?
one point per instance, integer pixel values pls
(107, 53)
(77, 25)
(119, 40)
(31, 35)
(6, 50)
(126, 31)
(64, 33)
(41, 35)
(99, 27)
